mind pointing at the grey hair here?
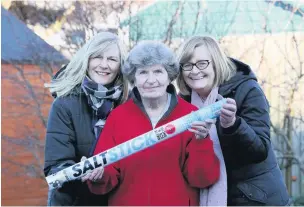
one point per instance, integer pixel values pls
(76, 70)
(148, 53)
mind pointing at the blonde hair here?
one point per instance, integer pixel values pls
(223, 67)
(76, 70)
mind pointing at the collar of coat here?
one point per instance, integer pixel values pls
(173, 102)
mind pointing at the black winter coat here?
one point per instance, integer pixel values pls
(254, 177)
(69, 136)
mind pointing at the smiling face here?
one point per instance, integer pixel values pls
(104, 68)
(152, 81)
(200, 81)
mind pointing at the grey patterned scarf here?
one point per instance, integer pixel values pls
(101, 99)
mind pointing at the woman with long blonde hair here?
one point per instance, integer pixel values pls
(86, 91)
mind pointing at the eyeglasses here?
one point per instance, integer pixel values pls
(201, 65)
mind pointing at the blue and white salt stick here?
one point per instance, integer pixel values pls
(134, 145)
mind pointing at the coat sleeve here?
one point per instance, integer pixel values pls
(60, 138)
(201, 167)
(250, 135)
(59, 148)
(111, 175)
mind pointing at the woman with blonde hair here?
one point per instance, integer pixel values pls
(249, 174)
(86, 91)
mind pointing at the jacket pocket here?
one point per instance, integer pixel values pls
(252, 192)
(266, 188)
(57, 198)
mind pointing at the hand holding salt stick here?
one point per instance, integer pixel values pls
(134, 145)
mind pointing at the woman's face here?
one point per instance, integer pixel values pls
(152, 81)
(104, 68)
(200, 80)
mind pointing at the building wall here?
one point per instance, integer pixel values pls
(25, 105)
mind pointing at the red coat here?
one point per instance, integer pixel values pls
(168, 173)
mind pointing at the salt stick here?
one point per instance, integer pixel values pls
(134, 145)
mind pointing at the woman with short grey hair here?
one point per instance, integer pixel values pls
(171, 172)
(150, 53)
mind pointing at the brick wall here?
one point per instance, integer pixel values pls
(25, 106)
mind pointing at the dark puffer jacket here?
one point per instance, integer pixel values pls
(254, 177)
(69, 136)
